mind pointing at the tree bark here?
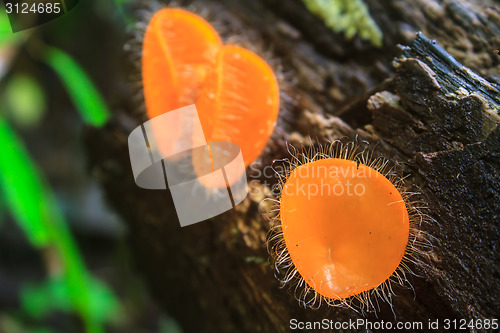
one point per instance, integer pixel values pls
(425, 111)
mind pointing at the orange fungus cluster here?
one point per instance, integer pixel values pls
(235, 91)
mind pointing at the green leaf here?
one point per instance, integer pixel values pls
(23, 190)
(82, 91)
(25, 100)
(54, 294)
(5, 29)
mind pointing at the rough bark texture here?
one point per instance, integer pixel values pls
(425, 111)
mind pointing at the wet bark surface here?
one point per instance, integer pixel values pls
(425, 110)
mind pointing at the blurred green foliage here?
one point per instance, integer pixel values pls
(6, 35)
(24, 191)
(30, 200)
(53, 294)
(5, 29)
(24, 100)
(349, 16)
(85, 96)
(33, 205)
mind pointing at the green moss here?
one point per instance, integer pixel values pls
(350, 16)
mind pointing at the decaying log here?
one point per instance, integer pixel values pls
(432, 115)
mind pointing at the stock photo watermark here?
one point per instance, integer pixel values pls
(331, 180)
(25, 14)
(204, 179)
(365, 324)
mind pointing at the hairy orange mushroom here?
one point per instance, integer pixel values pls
(345, 225)
(239, 103)
(179, 49)
(345, 228)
